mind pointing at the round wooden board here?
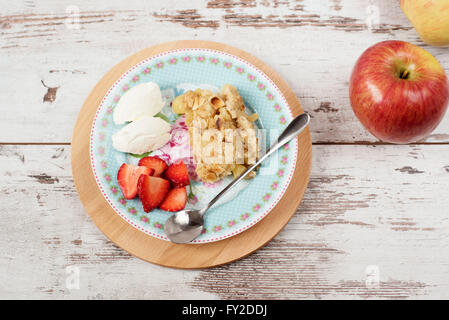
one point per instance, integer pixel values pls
(187, 256)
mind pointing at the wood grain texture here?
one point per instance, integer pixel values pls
(367, 207)
(354, 215)
(162, 252)
(312, 44)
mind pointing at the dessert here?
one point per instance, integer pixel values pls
(177, 173)
(154, 163)
(215, 139)
(146, 132)
(142, 135)
(221, 134)
(175, 200)
(152, 191)
(128, 176)
(156, 183)
(143, 100)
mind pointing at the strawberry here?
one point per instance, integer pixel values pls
(128, 176)
(155, 163)
(175, 200)
(177, 173)
(152, 191)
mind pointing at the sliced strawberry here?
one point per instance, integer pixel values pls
(178, 174)
(128, 176)
(152, 191)
(175, 200)
(155, 163)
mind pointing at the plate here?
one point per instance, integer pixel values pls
(175, 67)
(175, 72)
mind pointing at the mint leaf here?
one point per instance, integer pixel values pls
(143, 155)
(191, 195)
(163, 117)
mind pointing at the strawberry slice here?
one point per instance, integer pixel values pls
(175, 200)
(128, 176)
(152, 191)
(155, 163)
(178, 174)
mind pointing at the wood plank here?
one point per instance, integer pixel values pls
(312, 44)
(367, 209)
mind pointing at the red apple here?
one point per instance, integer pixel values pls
(399, 91)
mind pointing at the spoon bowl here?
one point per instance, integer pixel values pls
(184, 226)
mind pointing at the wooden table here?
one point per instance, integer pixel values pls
(374, 222)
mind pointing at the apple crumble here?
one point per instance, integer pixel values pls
(222, 135)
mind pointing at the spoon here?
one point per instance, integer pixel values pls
(186, 225)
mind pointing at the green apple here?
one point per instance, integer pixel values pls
(430, 19)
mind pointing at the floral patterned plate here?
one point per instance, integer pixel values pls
(175, 72)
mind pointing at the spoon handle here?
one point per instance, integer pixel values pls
(296, 126)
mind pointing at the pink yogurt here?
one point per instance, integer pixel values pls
(178, 147)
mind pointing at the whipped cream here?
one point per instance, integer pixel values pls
(142, 135)
(143, 100)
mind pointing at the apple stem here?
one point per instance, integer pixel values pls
(404, 74)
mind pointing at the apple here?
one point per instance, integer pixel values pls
(430, 18)
(398, 91)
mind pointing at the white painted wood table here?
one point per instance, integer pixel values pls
(374, 222)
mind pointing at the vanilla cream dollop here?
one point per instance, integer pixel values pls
(142, 135)
(143, 100)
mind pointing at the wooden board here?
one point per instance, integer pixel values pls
(163, 252)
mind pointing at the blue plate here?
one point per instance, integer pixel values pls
(176, 71)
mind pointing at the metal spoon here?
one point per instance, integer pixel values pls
(186, 225)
